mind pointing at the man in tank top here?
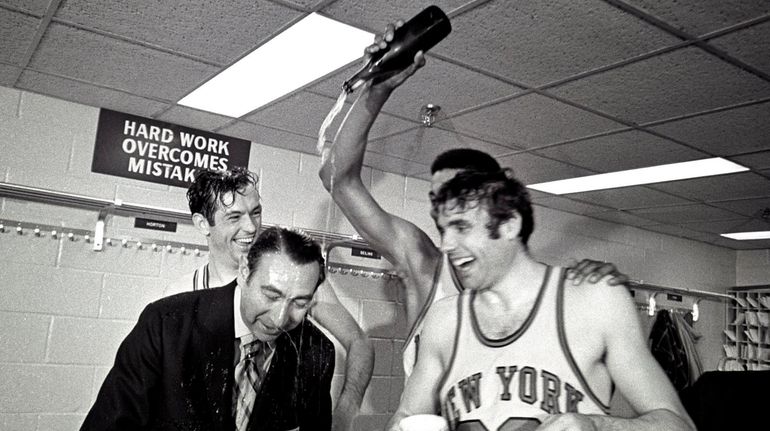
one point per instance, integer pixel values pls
(425, 273)
(226, 208)
(520, 349)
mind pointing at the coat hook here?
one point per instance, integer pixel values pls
(695, 310)
(154, 247)
(2, 227)
(19, 230)
(651, 304)
(169, 248)
(54, 234)
(139, 245)
(71, 236)
(87, 238)
(36, 231)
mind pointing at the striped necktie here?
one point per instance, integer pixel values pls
(249, 373)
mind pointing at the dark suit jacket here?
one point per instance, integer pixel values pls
(174, 371)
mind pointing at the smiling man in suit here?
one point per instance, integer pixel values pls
(237, 357)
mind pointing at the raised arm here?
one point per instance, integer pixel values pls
(334, 317)
(407, 247)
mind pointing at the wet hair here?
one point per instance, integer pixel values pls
(210, 187)
(296, 245)
(499, 192)
(466, 159)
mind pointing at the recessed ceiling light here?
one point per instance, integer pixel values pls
(745, 236)
(649, 175)
(304, 52)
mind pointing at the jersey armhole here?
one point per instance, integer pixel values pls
(568, 353)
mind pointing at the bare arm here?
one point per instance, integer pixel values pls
(632, 368)
(407, 247)
(332, 315)
(420, 395)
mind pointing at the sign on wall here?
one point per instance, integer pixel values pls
(144, 149)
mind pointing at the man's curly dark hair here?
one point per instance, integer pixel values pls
(499, 192)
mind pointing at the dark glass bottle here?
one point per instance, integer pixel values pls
(420, 33)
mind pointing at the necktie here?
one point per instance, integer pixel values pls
(249, 374)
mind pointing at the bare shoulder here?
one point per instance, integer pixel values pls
(598, 299)
(442, 316)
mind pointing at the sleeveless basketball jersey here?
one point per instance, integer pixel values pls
(444, 284)
(514, 383)
(198, 280)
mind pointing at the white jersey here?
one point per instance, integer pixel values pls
(444, 284)
(514, 383)
(197, 280)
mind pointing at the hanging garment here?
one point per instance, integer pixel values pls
(689, 336)
(668, 350)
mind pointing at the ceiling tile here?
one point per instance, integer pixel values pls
(750, 45)
(684, 213)
(423, 144)
(759, 160)
(761, 244)
(219, 31)
(747, 207)
(531, 169)
(720, 188)
(87, 94)
(550, 40)
(568, 205)
(305, 4)
(35, 7)
(122, 65)
(531, 121)
(453, 88)
(303, 113)
(8, 74)
(270, 137)
(194, 118)
(628, 198)
(724, 133)
(395, 165)
(744, 224)
(622, 217)
(669, 85)
(374, 15)
(702, 16)
(620, 151)
(17, 32)
(681, 232)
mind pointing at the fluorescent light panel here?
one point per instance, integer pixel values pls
(745, 236)
(649, 175)
(304, 52)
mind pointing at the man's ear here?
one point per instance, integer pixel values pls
(510, 228)
(200, 223)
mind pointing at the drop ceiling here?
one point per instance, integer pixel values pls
(553, 89)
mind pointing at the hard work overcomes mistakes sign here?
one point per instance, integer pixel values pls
(149, 150)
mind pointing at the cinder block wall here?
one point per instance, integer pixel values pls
(753, 268)
(64, 308)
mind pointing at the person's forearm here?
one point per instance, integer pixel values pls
(654, 420)
(343, 158)
(358, 372)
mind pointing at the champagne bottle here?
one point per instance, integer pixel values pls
(420, 33)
